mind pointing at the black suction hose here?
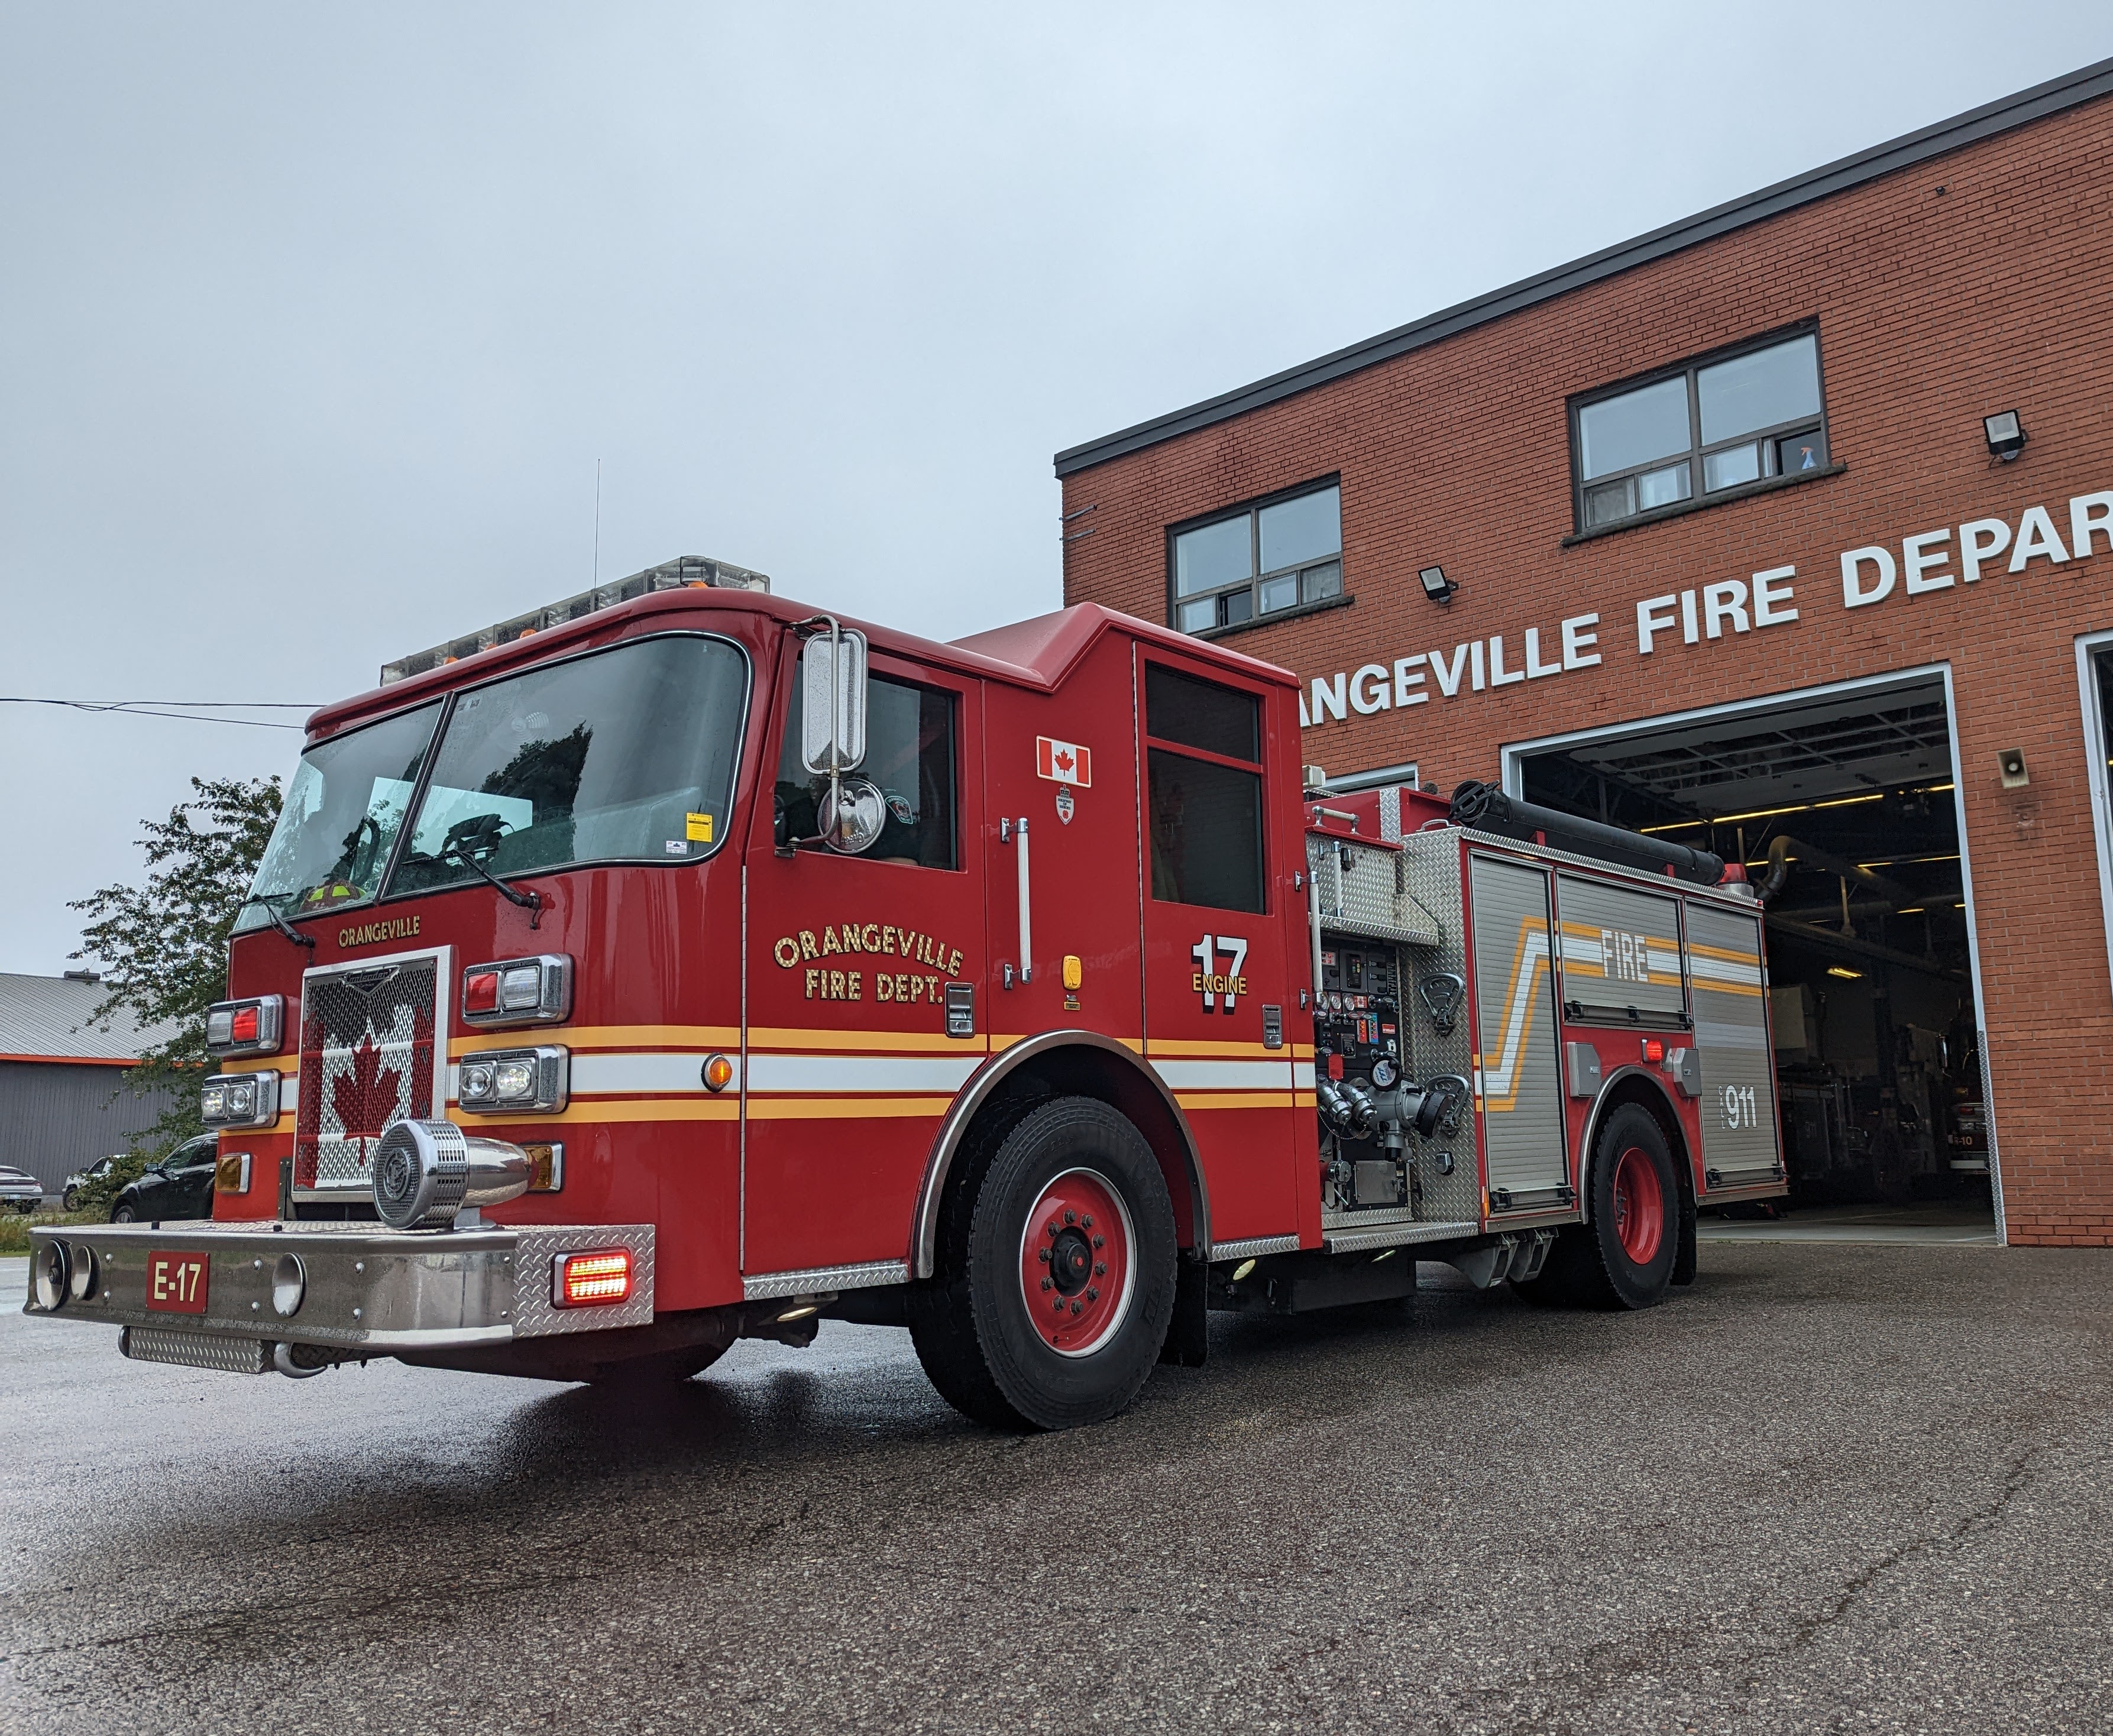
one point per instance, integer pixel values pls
(1487, 808)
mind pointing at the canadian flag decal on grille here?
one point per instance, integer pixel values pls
(1063, 762)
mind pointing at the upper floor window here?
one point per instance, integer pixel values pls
(909, 754)
(1259, 560)
(1711, 426)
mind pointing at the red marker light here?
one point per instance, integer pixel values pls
(1654, 1050)
(585, 1280)
(243, 1026)
(480, 991)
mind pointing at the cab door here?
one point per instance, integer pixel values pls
(848, 1066)
(1217, 909)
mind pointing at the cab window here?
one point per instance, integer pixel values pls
(1203, 776)
(909, 754)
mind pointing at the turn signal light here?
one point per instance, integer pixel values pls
(718, 1073)
(585, 1280)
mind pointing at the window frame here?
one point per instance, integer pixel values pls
(390, 892)
(1698, 451)
(1252, 510)
(1149, 743)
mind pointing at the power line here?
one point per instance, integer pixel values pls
(193, 711)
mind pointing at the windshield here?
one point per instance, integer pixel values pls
(342, 814)
(628, 753)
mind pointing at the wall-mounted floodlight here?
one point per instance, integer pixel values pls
(1436, 585)
(2006, 434)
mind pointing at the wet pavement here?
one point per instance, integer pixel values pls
(1852, 1488)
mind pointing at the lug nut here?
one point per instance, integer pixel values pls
(1042, 1254)
(1100, 1268)
(1086, 1223)
(1071, 1217)
(1077, 1307)
(1100, 1242)
(1051, 1225)
(1092, 1294)
(1046, 1284)
(1060, 1305)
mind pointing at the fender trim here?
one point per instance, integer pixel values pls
(1598, 1113)
(924, 1227)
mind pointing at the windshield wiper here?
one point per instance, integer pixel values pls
(283, 926)
(530, 900)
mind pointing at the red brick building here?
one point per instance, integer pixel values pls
(1722, 533)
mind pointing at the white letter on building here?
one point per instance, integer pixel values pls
(1914, 563)
(2088, 513)
(1689, 631)
(1770, 589)
(1498, 677)
(1406, 675)
(1534, 668)
(2036, 535)
(1973, 550)
(1724, 601)
(1576, 641)
(1853, 594)
(1327, 697)
(1449, 674)
(1364, 697)
(1654, 616)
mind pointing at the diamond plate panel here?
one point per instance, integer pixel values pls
(536, 1316)
(1433, 877)
(813, 1282)
(1372, 896)
(195, 1349)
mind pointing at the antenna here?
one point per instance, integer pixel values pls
(597, 545)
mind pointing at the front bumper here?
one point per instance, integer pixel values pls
(369, 1290)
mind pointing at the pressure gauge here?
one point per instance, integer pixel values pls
(1383, 1072)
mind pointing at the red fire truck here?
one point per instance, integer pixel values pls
(677, 964)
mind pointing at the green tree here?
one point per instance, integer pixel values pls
(163, 945)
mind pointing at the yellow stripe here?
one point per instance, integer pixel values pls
(845, 1109)
(1729, 958)
(853, 1042)
(1000, 1044)
(1170, 1046)
(1239, 1100)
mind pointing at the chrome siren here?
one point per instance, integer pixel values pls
(425, 1172)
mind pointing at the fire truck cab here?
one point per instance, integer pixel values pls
(678, 964)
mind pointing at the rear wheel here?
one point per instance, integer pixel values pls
(69, 1201)
(124, 1214)
(1058, 1273)
(1624, 1256)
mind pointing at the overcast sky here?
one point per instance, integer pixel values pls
(314, 322)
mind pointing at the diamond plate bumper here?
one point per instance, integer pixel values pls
(369, 1290)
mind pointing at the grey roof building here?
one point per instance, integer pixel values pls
(63, 1102)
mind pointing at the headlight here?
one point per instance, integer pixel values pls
(240, 1100)
(516, 1081)
(245, 1026)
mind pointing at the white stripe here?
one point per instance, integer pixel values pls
(1499, 1077)
(1723, 970)
(611, 1075)
(825, 1073)
(1302, 1076)
(1713, 1033)
(1225, 1075)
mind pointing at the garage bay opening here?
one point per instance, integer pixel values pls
(1841, 805)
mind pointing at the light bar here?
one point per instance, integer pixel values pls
(586, 1280)
(687, 571)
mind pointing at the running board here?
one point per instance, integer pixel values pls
(1394, 1235)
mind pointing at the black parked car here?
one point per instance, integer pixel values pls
(180, 1186)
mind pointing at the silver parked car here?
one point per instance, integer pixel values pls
(20, 1191)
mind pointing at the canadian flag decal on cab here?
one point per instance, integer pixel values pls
(1063, 762)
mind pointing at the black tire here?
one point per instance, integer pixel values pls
(1592, 1265)
(69, 1201)
(124, 1214)
(990, 1359)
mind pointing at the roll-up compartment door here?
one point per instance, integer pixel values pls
(1517, 1078)
(1739, 1136)
(1621, 954)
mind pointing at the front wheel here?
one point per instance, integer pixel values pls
(124, 1214)
(1060, 1274)
(69, 1201)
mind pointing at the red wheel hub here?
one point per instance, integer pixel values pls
(1077, 1262)
(1638, 1206)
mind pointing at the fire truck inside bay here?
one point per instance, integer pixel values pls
(677, 964)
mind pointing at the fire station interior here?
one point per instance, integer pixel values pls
(1841, 808)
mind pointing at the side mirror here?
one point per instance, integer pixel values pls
(832, 701)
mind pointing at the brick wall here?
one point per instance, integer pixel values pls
(1978, 282)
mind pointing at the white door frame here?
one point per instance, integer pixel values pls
(2094, 769)
(1511, 755)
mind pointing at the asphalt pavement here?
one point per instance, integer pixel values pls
(1840, 1488)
